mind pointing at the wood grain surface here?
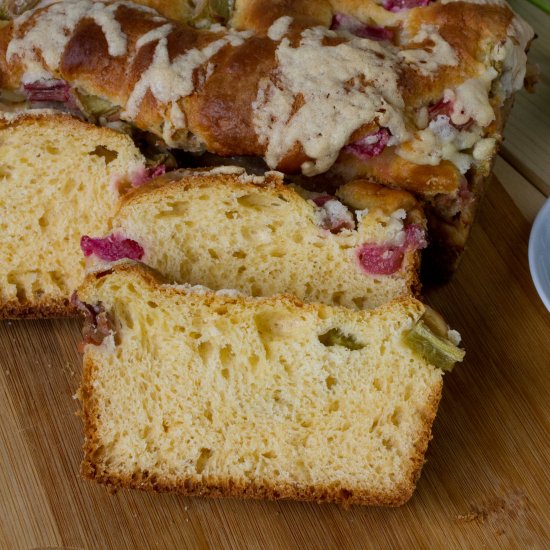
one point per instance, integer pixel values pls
(527, 136)
(485, 485)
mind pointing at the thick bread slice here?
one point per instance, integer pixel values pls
(58, 180)
(230, 230)
(213, 394)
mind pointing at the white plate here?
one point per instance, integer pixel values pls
(539, 253)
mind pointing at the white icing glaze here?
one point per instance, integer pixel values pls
(239, 171)
(471, 99)
(511, 53)
(513, 57)
(333, 213)
(399, 214)
(53, 28)
(229, 293)
(224, 170)
(441, 141)
(427, 60)
(360, 214)
(155, 34)
(170, 81)
(521, 31)
(330, 113)
(104, 16)
(279, 28)
(201, 290)
(12, 116)
(330, 79)
(45, 3)
(484, 149)
(252, 178)
(395, 226)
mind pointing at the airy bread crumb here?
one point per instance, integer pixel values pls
(263, 238)
(58, 179)
(234, 396)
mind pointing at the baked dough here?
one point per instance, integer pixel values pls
(419, 104)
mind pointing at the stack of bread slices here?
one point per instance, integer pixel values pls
(242, 337)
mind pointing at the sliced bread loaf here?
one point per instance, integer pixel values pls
(59, 178)
(225, 229)
(217, 394)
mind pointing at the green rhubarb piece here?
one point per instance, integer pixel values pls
(438, 351)
(222, 8)
(213, 11)
(335, 337)
(95, 106)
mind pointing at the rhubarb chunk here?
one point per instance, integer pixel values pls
(441, 352)
(335, 337)
(111, 248)
(371, 145)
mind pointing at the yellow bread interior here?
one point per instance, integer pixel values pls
(260, 237)
(215, 394)
(58, 181)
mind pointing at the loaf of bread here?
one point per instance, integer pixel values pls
(59, 178)
(412, 94)
(226, 229)
(415, 106)
(217, 394)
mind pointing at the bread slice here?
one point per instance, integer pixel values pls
(217, 394)
(58, 179)
(226, 229)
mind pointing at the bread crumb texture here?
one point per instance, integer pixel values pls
(58, 179)
(262, 240)
(236, 396)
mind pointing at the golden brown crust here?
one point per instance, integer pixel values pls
(389, 168)
(421, 445)
(50, 115)
(361, 194)
(358, 194)
(228, 488)
(157, 282)
(45, 308)
(219, 111)
(470, 29)
(186, 179)
(258, 15)
(92, 467)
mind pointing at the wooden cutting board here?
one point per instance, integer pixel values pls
(486, 483)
